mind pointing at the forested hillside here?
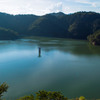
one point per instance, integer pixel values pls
(8, 34)
(94, 38)
(77, 26)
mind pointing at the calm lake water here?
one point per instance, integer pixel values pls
(69, 66)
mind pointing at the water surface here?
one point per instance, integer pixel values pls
(69, 66)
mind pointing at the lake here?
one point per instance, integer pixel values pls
(69, 66)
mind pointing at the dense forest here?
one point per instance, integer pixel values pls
(76, 26)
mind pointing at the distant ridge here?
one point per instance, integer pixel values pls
(77, 25)
(59, 14)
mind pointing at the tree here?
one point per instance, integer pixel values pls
(94, 38)
(82, 98)
(44, 95)
(3, 88)
(31, 97)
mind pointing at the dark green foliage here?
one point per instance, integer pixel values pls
(96, 25)
(77, 26)
(7, 34)
(95, 38)
(81, 24)
(48, 26)
(3, 88)
(44, 95)
(59, 14)
(31, 97)
(18, 23)
(21, 23)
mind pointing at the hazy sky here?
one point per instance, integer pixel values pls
(41, 7)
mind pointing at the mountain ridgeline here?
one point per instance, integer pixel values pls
(76, 26)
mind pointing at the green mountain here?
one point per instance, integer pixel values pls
(77, 26)
(81, 24)
(59, 14)
(7, 34)
(47, 25)
(19, 23)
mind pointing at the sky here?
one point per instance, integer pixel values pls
(41, 7)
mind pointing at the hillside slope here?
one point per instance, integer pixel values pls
(77, 26)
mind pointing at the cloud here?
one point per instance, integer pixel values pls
(38, 7)
(24, 6)
(86, 2)
(41, 7)
(94, 4)
(56, 7)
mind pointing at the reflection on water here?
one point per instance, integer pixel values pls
(69, 66)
